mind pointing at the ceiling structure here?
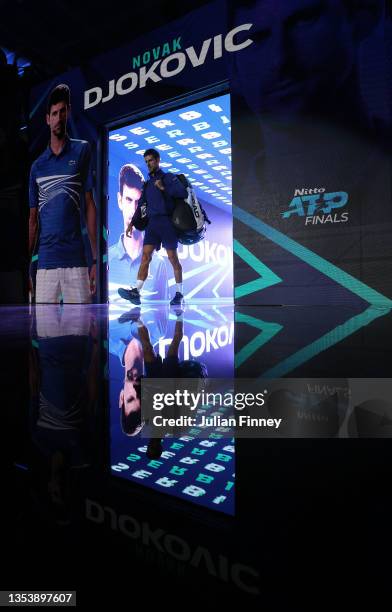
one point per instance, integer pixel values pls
(56, 35)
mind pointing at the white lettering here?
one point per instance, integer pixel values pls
(198, 61)
(111, 92)
(119, 86)
(181, 61)
(150, 74)
(229, 40)
(88, 103)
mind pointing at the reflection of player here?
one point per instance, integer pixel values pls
(304, 55)
(63, 383)
(171, 369)
(60, 181)
(125, 256)
(160, 189)
(124, 342)
(129, 400)
(139, 355)
(66, 355)
(157, 368)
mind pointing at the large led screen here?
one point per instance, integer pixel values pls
(194, 141)
(190, 468)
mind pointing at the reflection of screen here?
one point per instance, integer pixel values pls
(194, 141)
(195, 469)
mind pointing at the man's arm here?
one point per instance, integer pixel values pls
(33, 229)
(142, 200)
(173, 186)
(93, 370)
(87, 182)
(91, 222)
(33, 221)
(33, 218)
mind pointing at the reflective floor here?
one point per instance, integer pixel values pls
(88, 489)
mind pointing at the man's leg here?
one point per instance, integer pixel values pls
(177, 269)
(133, 294)
(75, 286)
(142, 274)
(177, 338)
(170, 243)
(47, 288)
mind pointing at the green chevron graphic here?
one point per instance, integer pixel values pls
(267, 277)
(379, 305)
(334, 336)
(268, 331)
(373, 297)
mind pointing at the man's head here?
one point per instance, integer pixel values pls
(152, 159)
(58, 107)
(130, 185)
(304, 52)
(130, 394)
(130, 402)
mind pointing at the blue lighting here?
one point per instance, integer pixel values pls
(12, 59)
(195, 141)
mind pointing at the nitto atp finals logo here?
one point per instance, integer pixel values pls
(318, 207)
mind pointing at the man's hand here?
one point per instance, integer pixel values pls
(129, 230)
(31, 288)
(159, 184)
(93, 275)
